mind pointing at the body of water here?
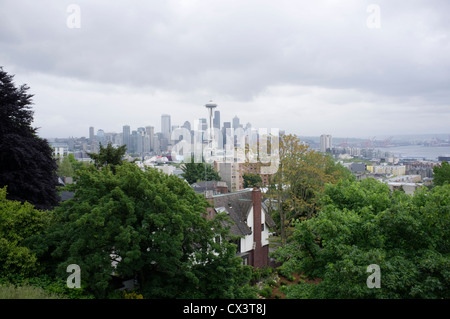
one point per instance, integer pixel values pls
(427, 152)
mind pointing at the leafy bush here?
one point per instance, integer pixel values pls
(266, 292)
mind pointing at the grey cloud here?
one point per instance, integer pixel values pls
(238, 49)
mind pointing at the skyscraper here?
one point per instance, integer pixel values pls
(165, 126)
(235, 122)
(216, 123)
(202, 124)
(150, 131)
(325, 142)
(140, 138)
(126, 137)
(187, 125)
(101, 137)
(226, 125)
(91, 134)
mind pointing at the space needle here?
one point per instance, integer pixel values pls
(211, 106)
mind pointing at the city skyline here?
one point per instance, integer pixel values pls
(350, 69)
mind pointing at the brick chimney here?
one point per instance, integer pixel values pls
(259, 256)
(222, 187)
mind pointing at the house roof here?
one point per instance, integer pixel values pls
(200, 187)
(66, 195)
(238, 205)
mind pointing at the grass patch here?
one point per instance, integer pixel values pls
(9, 291)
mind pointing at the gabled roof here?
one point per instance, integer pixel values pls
(238, 205)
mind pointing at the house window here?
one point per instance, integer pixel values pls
(245, 260)
(262, 227)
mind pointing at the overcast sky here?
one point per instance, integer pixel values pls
(345, 67)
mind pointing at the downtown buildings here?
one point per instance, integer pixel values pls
(146, 141)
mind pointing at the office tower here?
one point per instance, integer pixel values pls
(133, 141)
(187, 125)
(101, 137)
(325, 142)
(91, 134)
(146, 142)
(226, 125)
(216, 123)
(140, 140)
(165, 126)
(203, 124)
(235, 122)
(156, 145)
(150, 131)
(126, 137)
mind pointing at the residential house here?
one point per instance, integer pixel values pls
(251, 221)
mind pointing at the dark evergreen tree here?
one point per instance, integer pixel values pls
(27, 167)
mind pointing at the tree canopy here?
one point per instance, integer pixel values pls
(441, 174)
(152, 226)
(301, 176)
(362, 224)
(18, 222)
(252, 180)
(199, 172)
(26, 163)
(108, 155)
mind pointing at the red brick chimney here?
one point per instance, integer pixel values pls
(222, 187)
(259, 255)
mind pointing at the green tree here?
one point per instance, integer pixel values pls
(76, 165)
(27, 166)
(18, 223)
(302, 175)
(252, 180)
(109, 155)
(198, 172)
(441, 174)
(153, 226)
(65, 167)
(363, 224)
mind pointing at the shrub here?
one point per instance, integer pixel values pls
(266, 292)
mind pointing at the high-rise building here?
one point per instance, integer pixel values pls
(133, 141)
(166, 126)
(226, 125)
(140, 138)
(325, 142)
(150, 131)
(126, 137)
(156, 144)
(203, 124)
(216, 123)
(91, 134)
(101, 137)
(235, 122)
(187, 125)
